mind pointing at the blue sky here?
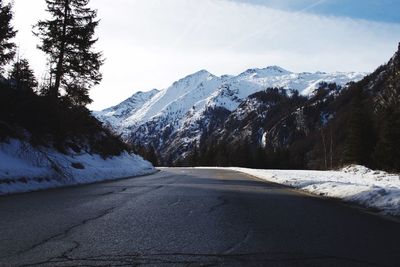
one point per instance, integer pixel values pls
(152, 43)
(374, 10)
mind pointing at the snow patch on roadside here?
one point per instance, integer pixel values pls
(24, 168)
(373, 189)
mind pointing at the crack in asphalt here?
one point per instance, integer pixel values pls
(125, 188)
(72, 253)
(177, 202)
(69, 251)
(238, 244)
(69, 229)
(222, 202)
(63, 256)
(197, 259)
(66, 231)
(246, 237)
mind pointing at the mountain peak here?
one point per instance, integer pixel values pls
(267, 71)
(202, 72)
(193, 78)
(275, 68)
(397, 54)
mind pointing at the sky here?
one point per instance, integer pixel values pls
(152, 43)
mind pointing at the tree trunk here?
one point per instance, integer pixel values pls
(324, 145)
(331, 148)
(59, 70)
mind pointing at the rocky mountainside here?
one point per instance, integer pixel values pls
(280, 122)
(384, 84)
(111, 117)
(176, 119)
(334, 126)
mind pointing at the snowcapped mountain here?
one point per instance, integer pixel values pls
(178, 115)
(114, 115)
(176, 100)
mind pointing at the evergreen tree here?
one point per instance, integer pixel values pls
(387, 152)
(360, 137)
(7, 48)
(194, 156)
(259, 160)
(151, 156)
(241, 154)
(68, 39)
(22, 76)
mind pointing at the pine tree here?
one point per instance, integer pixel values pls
(23, 77)
(387, 152)
(259, 160)
(194, 156)
(68, 39)
(151, 156)
(7, 48)
(360, 137)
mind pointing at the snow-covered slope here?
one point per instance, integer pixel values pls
(112, 116)
(176, 99)
(357, 184)
(235, 89)
(181, 110)
(25, 168)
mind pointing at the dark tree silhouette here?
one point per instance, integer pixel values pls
(359, 141)
(22, 76)
(151, 156)
(68, 39)
(387, 153)
(7, 47)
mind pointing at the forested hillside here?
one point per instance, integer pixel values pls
(357, 124)
(175, 121)
(52, 112)
(48, 138)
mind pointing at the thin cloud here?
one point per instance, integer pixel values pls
(151, 43)
(275, 23)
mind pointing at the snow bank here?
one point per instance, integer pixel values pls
(358, 184)
(24, 168)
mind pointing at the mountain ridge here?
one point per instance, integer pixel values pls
(261, 73)
(187, 105)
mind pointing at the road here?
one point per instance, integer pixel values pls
(190, 217)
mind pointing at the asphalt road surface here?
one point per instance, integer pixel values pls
(190, 217)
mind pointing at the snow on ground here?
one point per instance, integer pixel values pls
(24, 168)
(358, 184)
